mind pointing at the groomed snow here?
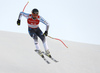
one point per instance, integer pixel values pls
(17, 55)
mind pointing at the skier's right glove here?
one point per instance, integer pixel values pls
(18, 22)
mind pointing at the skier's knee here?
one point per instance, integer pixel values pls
(35, 37)
(43, 38)
(35, 42)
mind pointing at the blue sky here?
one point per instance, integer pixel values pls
(73, 20)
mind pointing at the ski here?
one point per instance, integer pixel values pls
(50, 57)
(43, 57)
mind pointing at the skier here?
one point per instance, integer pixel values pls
(34, 30)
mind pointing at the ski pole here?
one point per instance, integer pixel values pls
(58, 40)
(25, 6)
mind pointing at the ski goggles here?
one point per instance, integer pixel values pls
(34, 14)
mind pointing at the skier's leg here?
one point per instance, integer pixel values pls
(42, 37)
(32, 33)
(45, 45)
(36, 42)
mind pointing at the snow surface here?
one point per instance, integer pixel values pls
(17, 55)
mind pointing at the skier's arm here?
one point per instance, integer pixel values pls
(20, 16)
(44, 22)
(23, 14)
(47, 25)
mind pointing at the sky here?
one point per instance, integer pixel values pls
(72, 20)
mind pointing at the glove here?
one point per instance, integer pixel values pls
(18, 22)
(46, 33)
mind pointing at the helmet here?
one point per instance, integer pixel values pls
(35, 11)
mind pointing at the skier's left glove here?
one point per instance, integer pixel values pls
(46, 33)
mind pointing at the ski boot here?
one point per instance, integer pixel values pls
(40, 53)
(47, 52)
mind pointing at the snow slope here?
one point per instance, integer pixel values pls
(17, 55)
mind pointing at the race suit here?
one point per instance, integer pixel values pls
(34, 30)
